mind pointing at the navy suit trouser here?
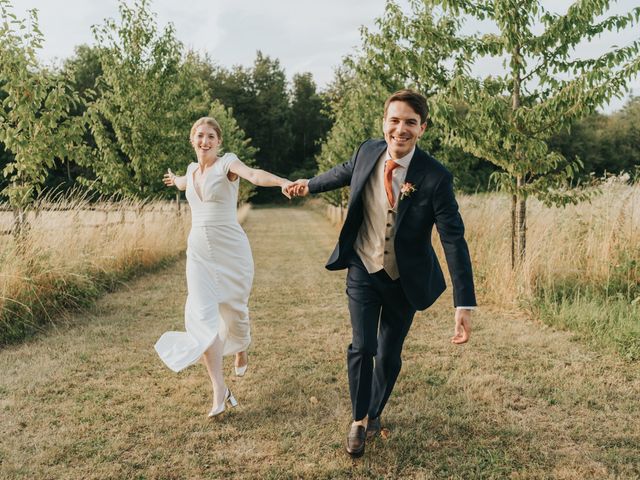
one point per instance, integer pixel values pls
(380, 320)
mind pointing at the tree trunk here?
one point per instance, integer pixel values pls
(514, 203)
(518, 200)
(521, 222)
(19, 222)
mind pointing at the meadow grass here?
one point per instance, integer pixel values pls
(521, 401)
(593, 244)
(74, 250)
(582, 269)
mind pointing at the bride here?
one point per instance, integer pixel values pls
(219, 263)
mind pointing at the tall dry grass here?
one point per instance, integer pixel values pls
(593, 246)
(73, 250)
(582, 269)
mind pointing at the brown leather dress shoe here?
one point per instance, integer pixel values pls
(373, 428)
(356, 440)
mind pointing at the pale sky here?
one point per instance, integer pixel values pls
(305, 35)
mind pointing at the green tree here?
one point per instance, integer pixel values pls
(234, 89)
(606, 144)
(625, 134)
(5, 156)
(5, 159)
(82, 70)
(365, 80)
(234, 140)
(260, 103)
(147, 100)
(356, 110)
(35, 124)
(508, 119)
(309, 125)
(270, 126)
(587, 140)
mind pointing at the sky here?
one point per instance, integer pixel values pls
(304, 35)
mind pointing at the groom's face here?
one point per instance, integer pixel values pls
(402, 128)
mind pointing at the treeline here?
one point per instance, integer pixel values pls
(131, 99)
(117, 114)
(606, 144)
(282, 123)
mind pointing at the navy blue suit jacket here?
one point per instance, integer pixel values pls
(432, 203)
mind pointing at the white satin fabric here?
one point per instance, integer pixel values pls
(219, 272)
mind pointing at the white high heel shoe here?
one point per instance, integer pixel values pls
(228, 397)
(240, 371)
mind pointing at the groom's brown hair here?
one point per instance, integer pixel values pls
(416, 101)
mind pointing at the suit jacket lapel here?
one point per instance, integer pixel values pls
(415, 174)
(367, 169)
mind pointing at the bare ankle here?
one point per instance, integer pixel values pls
(241, 359)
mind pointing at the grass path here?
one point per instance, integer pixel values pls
(92, 400)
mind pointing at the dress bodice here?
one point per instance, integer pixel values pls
(218, 205)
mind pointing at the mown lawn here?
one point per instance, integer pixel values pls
(92, 400)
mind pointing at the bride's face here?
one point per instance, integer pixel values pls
(205, 142)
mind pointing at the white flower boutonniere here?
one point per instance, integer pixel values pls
(406, 190)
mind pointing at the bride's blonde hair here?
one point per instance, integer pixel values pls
(212, 122)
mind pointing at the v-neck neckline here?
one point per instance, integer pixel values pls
(205, 175)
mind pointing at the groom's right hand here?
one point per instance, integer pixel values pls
(299, 188)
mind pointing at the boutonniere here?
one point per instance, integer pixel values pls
(406, 190)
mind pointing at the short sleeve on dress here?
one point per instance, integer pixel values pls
(227, 160)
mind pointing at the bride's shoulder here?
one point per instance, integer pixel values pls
(227, 159)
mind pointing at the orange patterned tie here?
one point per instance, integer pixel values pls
(389, 166)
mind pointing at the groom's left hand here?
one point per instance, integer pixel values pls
(462, 330)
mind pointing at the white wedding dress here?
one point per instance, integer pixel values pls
(219, 272)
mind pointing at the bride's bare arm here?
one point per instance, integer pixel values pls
(259, 177)
(172, 180)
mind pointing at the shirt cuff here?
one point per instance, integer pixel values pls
(465, 308)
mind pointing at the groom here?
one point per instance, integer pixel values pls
(398, 193)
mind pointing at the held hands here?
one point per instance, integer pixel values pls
(169, 178)
(299, 188)
(462, 330)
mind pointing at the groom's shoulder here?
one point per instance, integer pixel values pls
(372, 145)
(433, 165)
